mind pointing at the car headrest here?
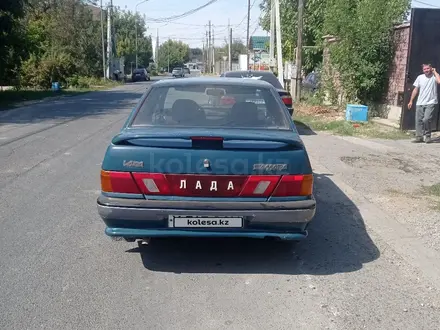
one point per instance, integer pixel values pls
(244, 113)
(187, 111)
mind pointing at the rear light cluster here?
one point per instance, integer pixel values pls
(207, 185)
(287, 100)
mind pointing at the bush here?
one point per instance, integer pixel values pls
(154, 73)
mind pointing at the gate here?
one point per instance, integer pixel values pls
(424, 47)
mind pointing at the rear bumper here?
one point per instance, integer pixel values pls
(135, 218)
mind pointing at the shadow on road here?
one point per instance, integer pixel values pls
(337, 243)
(73, 107)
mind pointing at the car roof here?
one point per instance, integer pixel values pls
(213, 81)
(252, 72)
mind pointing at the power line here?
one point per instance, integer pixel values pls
(425, 3)
(185, 14)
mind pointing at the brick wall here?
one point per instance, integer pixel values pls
(396, 73)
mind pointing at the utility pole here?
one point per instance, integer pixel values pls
(209, 49)
(247, 34)
(272, 33)
(295, 83)
(278, 35)
(103, 42)
(206, 54)
(213, 52)
(230, 49)
(109, 39)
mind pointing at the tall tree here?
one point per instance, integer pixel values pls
(125, 25)
(314, 16)
(364, 50)
(11, 38)
(174, 53)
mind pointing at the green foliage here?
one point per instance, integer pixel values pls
(362, 55)
(11, 38)
(314, 15)
(60, 40)
(365, 49)
(125, 23)
(173, 53)
(237, 48)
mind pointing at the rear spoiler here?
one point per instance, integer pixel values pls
(187, 141)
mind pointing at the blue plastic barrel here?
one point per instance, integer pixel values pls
(356, 112)
(55, 86)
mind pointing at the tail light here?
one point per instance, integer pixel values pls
(227, 100)
(202, 185)
(118, 182)
(287, 100)
(294, 185)
(259, 186)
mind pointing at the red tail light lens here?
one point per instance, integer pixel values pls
(227, 100)
(152, 183)
(294, 185)
(118, 182)
(287, 100)
(259, 186)
(207, 185)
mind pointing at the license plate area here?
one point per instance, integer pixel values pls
(189, 221)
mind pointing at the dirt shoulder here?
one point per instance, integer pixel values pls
(401, 178)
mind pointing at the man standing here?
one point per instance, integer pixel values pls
(427, 102)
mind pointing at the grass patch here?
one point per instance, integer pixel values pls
(433, 190)
(11, 98)
(342, 127)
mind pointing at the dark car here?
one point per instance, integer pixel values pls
(181, 167)
(140, 75)
(267, 76)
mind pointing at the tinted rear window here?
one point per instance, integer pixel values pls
(267, 77)
(232, 107)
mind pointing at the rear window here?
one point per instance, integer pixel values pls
(139, 71)
(267, 77)
(216, 106)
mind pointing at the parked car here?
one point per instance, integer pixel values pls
(178, 72)
(140, 75)
(186, 70)
(267, 76)
(181, 167)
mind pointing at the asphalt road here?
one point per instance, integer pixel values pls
(59, 271)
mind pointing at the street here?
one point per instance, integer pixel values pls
(363, 265)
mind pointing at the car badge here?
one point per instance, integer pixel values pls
(206, 163)
(133, 163)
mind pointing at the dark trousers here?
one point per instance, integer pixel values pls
(424, 115)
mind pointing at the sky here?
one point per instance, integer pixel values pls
(192, 29)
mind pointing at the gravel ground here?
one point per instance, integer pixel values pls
(391, 174)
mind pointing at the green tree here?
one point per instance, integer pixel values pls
(12, 36)
(365, 49)
(173, 53)
(125, 39)
(237, 48)
(314, 16)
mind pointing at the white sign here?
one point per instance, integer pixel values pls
(176, 221)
